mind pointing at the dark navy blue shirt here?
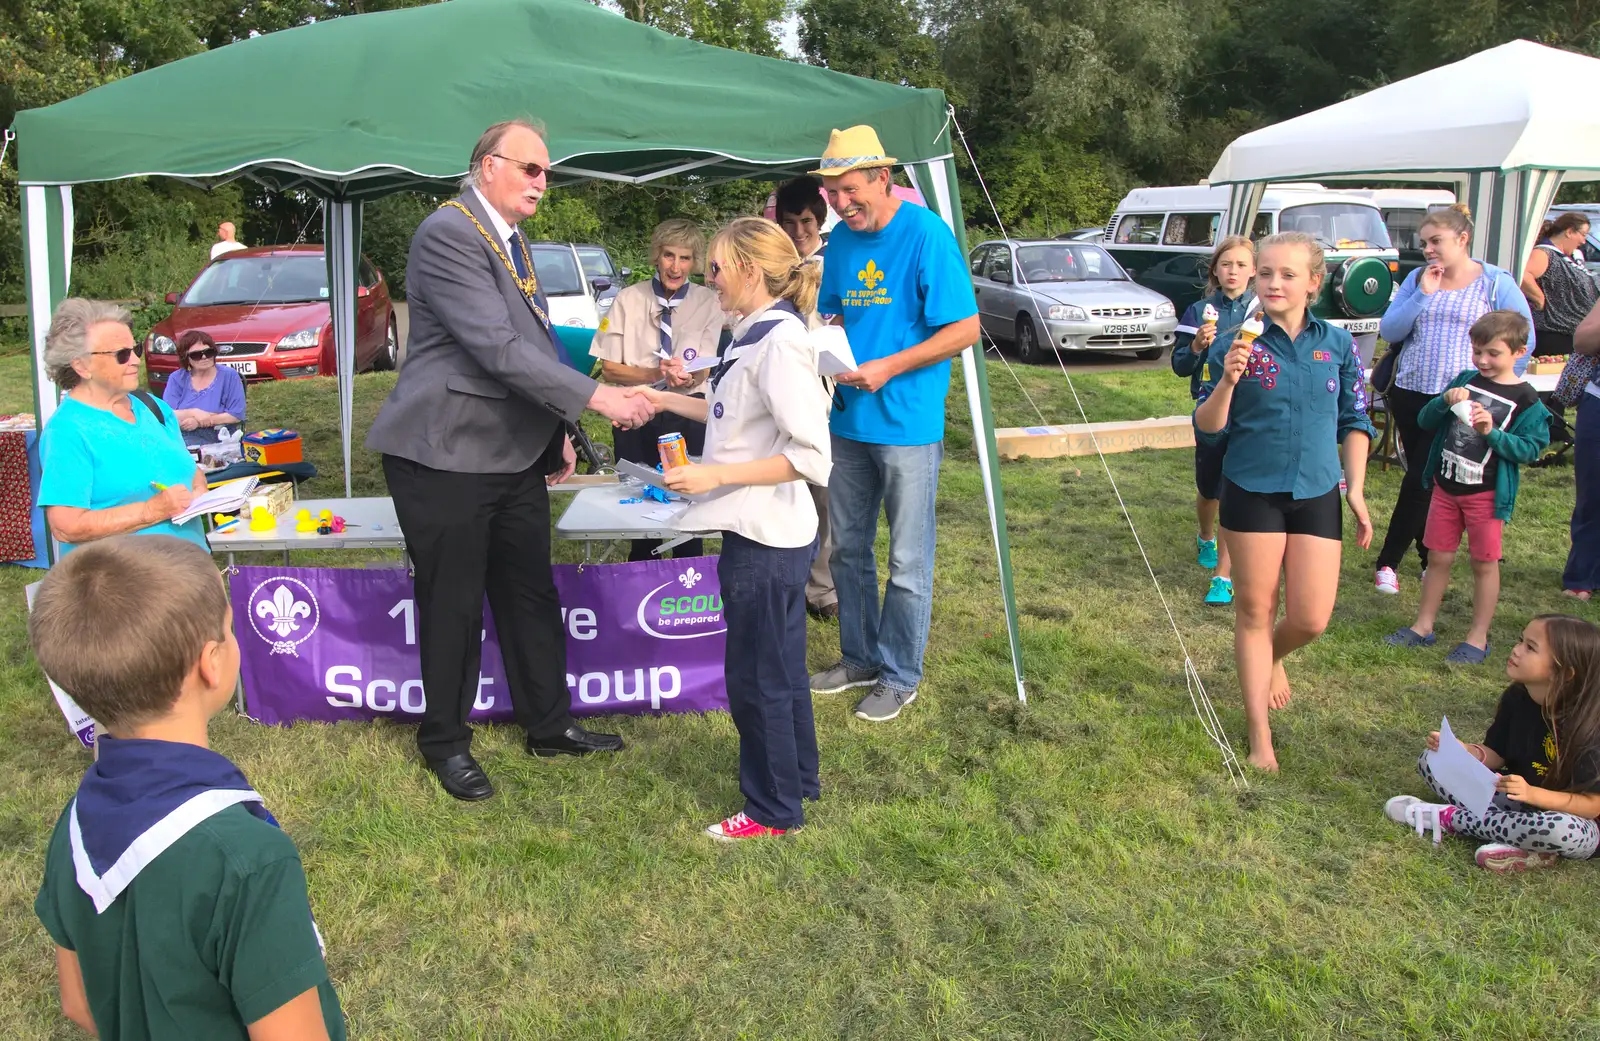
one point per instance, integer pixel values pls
(1203, 372)
(1292, 409)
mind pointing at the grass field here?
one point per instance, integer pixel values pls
(1077, 868)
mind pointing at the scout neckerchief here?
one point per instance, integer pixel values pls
(139, 798)
(666, 303)
(529, 286)
(751, 335)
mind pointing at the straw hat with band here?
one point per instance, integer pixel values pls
(855, 149)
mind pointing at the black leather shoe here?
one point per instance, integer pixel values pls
(573, 741)
(462, 777)
(824, 613)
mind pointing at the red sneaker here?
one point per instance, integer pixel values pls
(741, 827)
(1501, 858)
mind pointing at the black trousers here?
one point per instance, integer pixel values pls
(471, 534)
(1410, 515)
(639, 446)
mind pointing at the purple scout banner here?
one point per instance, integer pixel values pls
(341, 643)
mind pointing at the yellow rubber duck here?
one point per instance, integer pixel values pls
(305, 523)
(261, 519)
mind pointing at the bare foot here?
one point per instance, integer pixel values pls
(1266, 760)
(1576, 594)
(1280, 693)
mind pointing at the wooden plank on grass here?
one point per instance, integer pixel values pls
(1074, 439)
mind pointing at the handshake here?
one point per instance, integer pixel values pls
(632, 407)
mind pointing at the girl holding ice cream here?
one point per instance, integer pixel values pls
(1290, 393)
(1204, 334)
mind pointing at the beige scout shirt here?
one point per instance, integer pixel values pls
(629, 334)
(769, 402)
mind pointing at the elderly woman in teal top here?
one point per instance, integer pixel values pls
(112, 457)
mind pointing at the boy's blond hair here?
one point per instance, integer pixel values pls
(120, 622)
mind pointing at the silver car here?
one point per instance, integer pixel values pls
(1066, 296)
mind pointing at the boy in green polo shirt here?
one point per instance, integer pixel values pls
(177, 905)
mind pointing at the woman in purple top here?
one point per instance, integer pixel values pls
(204, 395)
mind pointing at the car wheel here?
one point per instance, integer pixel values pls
(1148, 354)
(1028, 351)
(389, 354)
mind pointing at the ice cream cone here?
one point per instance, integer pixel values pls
(1250, 330)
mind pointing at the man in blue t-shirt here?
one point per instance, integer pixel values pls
(897, 281)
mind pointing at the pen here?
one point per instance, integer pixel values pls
(158, 486)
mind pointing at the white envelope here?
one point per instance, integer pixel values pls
(833, 350)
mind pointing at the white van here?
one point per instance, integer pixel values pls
(1164, 236)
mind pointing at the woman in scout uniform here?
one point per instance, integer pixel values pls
(1291, 391)
(766, 437)
(651, 323)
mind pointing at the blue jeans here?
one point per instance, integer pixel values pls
(904, 480)
(769, 692)
(1583, 560)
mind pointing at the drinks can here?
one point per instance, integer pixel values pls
(674, 451)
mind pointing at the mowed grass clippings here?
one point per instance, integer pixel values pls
(1079, 867)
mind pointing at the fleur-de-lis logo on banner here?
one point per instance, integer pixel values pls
(282, 611)
(870, 275)
(287, 616)
(690, 578)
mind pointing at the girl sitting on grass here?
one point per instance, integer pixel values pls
(1545, 739)
(1291, 392)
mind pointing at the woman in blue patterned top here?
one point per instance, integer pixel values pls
(1431, 314)
(1291, 392)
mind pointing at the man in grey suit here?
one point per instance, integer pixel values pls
(472, 433)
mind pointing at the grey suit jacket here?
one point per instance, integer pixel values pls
(483, 389)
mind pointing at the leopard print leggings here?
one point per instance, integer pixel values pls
(1538, 831)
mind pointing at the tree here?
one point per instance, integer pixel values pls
(882, 40)
(742, 25)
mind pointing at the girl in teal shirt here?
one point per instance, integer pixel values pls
(1291, 392)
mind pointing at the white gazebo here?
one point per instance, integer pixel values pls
(1505, 126)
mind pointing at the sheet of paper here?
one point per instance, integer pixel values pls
(225, 498)
(664, 514)
(1459, 772)
(702, 362)
(833, 351)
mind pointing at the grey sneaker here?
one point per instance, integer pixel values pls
(883, 703)
(840, 676)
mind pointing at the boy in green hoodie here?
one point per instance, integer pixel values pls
(1489, 421)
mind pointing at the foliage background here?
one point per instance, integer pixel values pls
(1066, 103)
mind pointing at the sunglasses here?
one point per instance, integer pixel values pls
(532, 170)
(202, 354)
(122, 356)
(717, 269)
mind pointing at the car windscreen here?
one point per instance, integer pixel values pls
(260, 280)
(557, 270)
(1338, 225)
(1067, 262)
(596, 263)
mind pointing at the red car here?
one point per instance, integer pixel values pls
(267, 308)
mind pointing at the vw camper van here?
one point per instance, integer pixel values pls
(1164, 236)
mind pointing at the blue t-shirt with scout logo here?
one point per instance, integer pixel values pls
(895, 288)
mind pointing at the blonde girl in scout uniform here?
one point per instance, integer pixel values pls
(766, 438)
